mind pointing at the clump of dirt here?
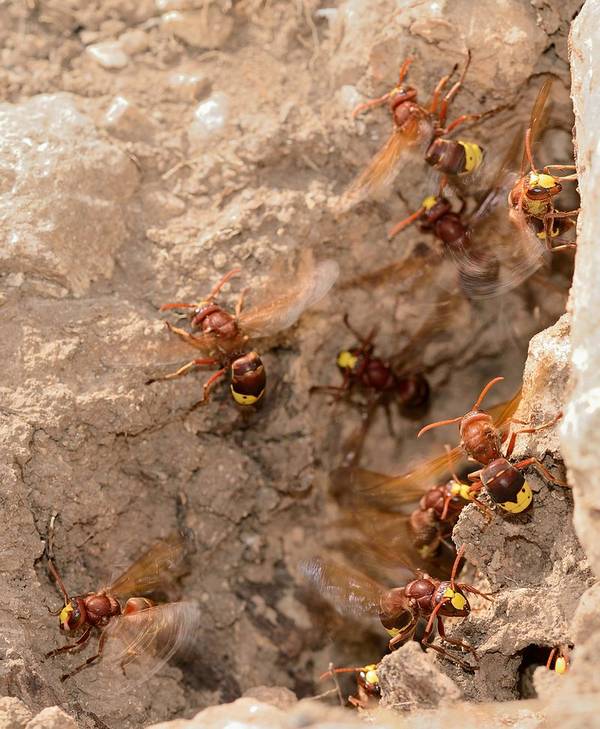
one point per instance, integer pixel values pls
(146, 148)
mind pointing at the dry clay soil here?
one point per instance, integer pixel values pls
(117, 196)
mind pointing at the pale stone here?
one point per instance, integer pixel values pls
(582, 413)
(198, 28)
(411, 678)
(188, 86)
(63, 196)
(127, 121)
(52, 718)
(278, 696)
(167, 6)
(210, 118)
(242, 714)
(13, 713)
(108, 54)
(134, 41)
(504, 51)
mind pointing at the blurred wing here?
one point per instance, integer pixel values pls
(383, 168)
(382, 544)
(160, 565)
(502, 412)
(356, 487)
(503, 250)
(284, 301)
(500, 257)
(350, 591)
(440, 320)
(536, 118)
(410, 272)
(391, 491)
(137, 645)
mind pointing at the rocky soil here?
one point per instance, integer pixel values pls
(145, 149)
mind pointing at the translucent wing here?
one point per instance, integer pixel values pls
(502, 412)
(390, 490)
(381, 543)
(502, 250)
(536, 117)
(350, 591)
(137, 645)
(160, 565)
(385, 165)
(442, 313)
(283, 301)
(353, 486)
(411, 272)
(506, 243)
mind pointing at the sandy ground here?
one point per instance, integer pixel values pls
(142, 155)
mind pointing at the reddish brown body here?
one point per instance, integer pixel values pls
(224, 337)
(372, 373)
(445, 224)
(220, 336)
(531, 199)
(435, 518)
(419, 598)
(481, 440)
(415, 125)
(413, 611)
(370, 689)
(212, 319)
(116, 617)
(502, 479)
(95, 609)
(445, 155)
(479, 437)
(535, 202)
(360, 368)
(406, 113)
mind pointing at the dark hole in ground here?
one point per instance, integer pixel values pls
(532, 657)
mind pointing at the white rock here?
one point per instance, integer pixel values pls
(241, 714)
(13, 713)
(167, 6)
(278, 696)
(127, 121)
(63, 195)
(108, 54)
(350, 97)
(52, 718)
(134, 41)
(188, 86)
(198, 28)
(582, 417)
(210, 118)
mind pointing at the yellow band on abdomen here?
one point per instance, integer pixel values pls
(473, 156)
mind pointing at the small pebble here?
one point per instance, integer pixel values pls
(188, 86)
(134, 41)
(210, 117)
(197, 28)
(108, 54)
(126, 121)
(167, 6)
